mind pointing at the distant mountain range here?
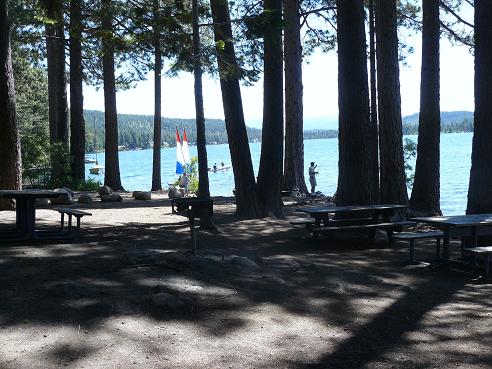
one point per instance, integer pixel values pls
(451, 121)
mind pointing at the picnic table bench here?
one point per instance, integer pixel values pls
(71, 212)
(484, 251)
(390, 227)
(411, 237)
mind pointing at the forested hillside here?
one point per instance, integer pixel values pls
(451, 121)
(135, 131)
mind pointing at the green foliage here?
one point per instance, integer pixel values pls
(409, 154)
(60, 158)
(90, 184)
(31, 88)
(192, 171)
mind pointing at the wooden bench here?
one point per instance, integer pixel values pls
(78, 214)
(389, 227)
(484, 251)
(412, 236)
(309, 223)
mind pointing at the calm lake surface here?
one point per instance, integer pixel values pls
(136, 168)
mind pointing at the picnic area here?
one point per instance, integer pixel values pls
(260, 293)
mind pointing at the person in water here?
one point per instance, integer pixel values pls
(222, 164)
(312, 176)
(215, 167)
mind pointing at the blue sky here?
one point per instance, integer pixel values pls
(320, 90)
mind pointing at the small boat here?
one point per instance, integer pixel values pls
(89, 160)
(96, 169)
(222, 168)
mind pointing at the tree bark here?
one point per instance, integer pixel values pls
(156, 162)
(77, 123)
(374, 105)
(425, 198)
(354, 174)
(294, 134)
(479, 193)
(57, 87)
(244, 179)
(201, 143)
(10, 165)
(112, 166)
(393, 185)
(271, 160)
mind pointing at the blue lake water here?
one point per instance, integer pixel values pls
(136, 168)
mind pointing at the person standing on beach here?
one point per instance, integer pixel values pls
(312, 176)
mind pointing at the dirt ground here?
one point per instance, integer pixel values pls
(262, 294)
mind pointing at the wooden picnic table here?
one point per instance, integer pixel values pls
(25, 212)
(321, 214)
(458, 226)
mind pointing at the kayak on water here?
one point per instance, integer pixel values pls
(220, 169)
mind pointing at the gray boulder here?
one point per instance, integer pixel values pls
(65, 197)
(42, 202)
(167, 301)
(105, 190)
(112, 197)
(69, 191)
(142, 195)
(84, 199)
(174, 193)
(241, 262)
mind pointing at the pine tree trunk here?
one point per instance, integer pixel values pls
(354, 173)
(479, 192)
(156, 163)
(271, 160)
(10, 165)
(294, 135)
(245, 193)
(426, 193)
(393, 185)
(57, 87)
(201, 143)
(77, 123)
(374, 105)
(112, 166)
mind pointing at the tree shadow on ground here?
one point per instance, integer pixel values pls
(369, 310)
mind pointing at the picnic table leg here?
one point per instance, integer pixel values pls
(412, 251)
(19, 214)
(62, 221)
(445, 246)
(193, 235)
(487, 265)
(438, 248)
(317, 224)
(474, 237)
